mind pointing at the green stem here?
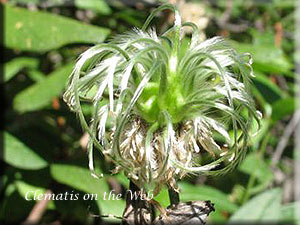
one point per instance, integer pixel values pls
(250, 184)
(252, 178)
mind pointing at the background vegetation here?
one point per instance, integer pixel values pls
(45, 148)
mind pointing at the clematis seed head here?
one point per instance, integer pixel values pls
(162, 110)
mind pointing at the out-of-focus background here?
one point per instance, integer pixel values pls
(45, 148)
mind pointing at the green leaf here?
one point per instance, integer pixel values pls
(282, 108)
(283, 4)
(98, 6)
(264, 129)
(40, 31)
(290, 213)
(40, 94)
(21, 156)
(28, 191)
(25, 1)
(190, 192)
(266, 56)
(270, 91)
(163, 197)
(12, 67)
(262, 208)
(254, 164)
(36, 75)
(81, 179)
(275, 4)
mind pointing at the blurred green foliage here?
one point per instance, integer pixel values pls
(44, 145)
(26, 29)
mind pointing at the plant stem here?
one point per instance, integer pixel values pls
(174, 197)
(137, 211)
(252, 178)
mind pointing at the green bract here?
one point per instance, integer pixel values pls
(158, 114)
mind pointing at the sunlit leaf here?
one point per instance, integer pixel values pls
(253, 164)
(266, 56)
(28, 192)
(163, 197)
(25, 1)
(36, 75)
(290, 213)
(262, 208)
(21, 156)
(191, 192)
(40, 94)
(12, 67)
(81, 179)
(256, 166)
(98, 6)
(40, 31)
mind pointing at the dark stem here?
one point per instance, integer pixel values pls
(134, 189)
(141, 212)
(138, 211)
(174, 197)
